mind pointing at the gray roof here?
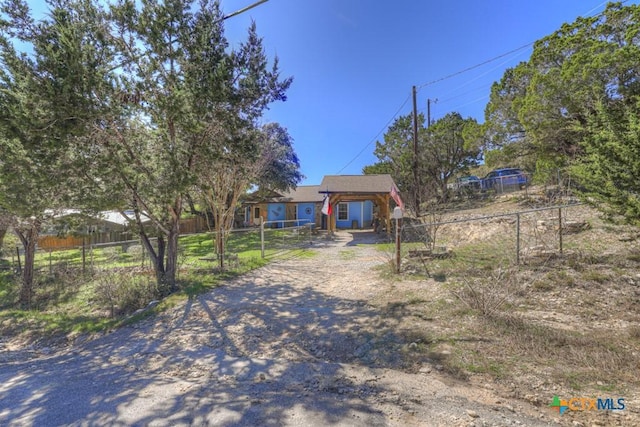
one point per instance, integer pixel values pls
(302, 194)
(357, 183)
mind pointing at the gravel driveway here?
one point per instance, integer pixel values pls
(293, 344)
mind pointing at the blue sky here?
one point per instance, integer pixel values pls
(354, 63)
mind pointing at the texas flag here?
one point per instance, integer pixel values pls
(395, 194)
(326, 206)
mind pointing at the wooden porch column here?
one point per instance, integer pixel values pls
(382, 201)
(333, 201)
(388, 214)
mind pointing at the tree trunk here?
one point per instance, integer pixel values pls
(3, 232)
(160, 267)
(444, 191)
(164, 257)
(171, 266)
(29, 239)
(220, 243)
(165, 279)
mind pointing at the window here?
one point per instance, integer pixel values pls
(256, 212)
(343, 211)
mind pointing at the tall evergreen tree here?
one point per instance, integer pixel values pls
(448, 150)
(200, 103)
(572, 105)
(45, 100)
(541, 109)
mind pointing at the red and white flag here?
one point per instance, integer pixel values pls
(326, 206)
(395, 195)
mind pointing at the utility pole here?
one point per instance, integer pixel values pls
(416, 179)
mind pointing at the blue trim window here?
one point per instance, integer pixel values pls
(343, 211)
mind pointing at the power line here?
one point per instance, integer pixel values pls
(454, 75)
(483, 87)
(377, 135)
(426, 84)
(504, 54)
(238, 12)
(474, 66)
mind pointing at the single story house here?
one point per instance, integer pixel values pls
(356, 201)
(299, 206)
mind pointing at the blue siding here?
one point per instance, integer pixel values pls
(306, 212)
(361, 212)
(276, 212)
(368, 214)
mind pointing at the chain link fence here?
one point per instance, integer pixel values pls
(196, 251)
(554, 184)
(493, 241)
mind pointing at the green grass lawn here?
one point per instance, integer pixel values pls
(76, 291)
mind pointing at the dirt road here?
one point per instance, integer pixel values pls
(293, 344)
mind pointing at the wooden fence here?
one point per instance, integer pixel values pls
(52, 243)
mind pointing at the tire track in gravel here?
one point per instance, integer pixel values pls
(294, 343)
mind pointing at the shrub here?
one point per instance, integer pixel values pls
(124, 291)
(489, 294)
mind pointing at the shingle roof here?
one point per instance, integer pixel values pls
(303, 193)
(357, 183)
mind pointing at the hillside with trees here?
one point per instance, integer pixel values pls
(572, 108)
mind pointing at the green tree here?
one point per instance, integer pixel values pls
(609, 169)
(282, 167)
(45, 100)
(197, 103)
(378, 168)
(396, 157)
(446, 148)
(545, 106)
(271, 163)
(504, 139)
(120, 109)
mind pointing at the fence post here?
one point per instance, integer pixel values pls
(397, 215)
(262, 236)
(560, 228)
(84, 255)
(91, 252)
(398, 257)
(517, 239)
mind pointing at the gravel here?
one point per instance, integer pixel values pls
(295, 343)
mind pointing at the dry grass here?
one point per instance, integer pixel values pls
(570, 322)
(490, 294)
(592, 356)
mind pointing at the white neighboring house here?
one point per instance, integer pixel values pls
(78, 222)
(70, 228)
